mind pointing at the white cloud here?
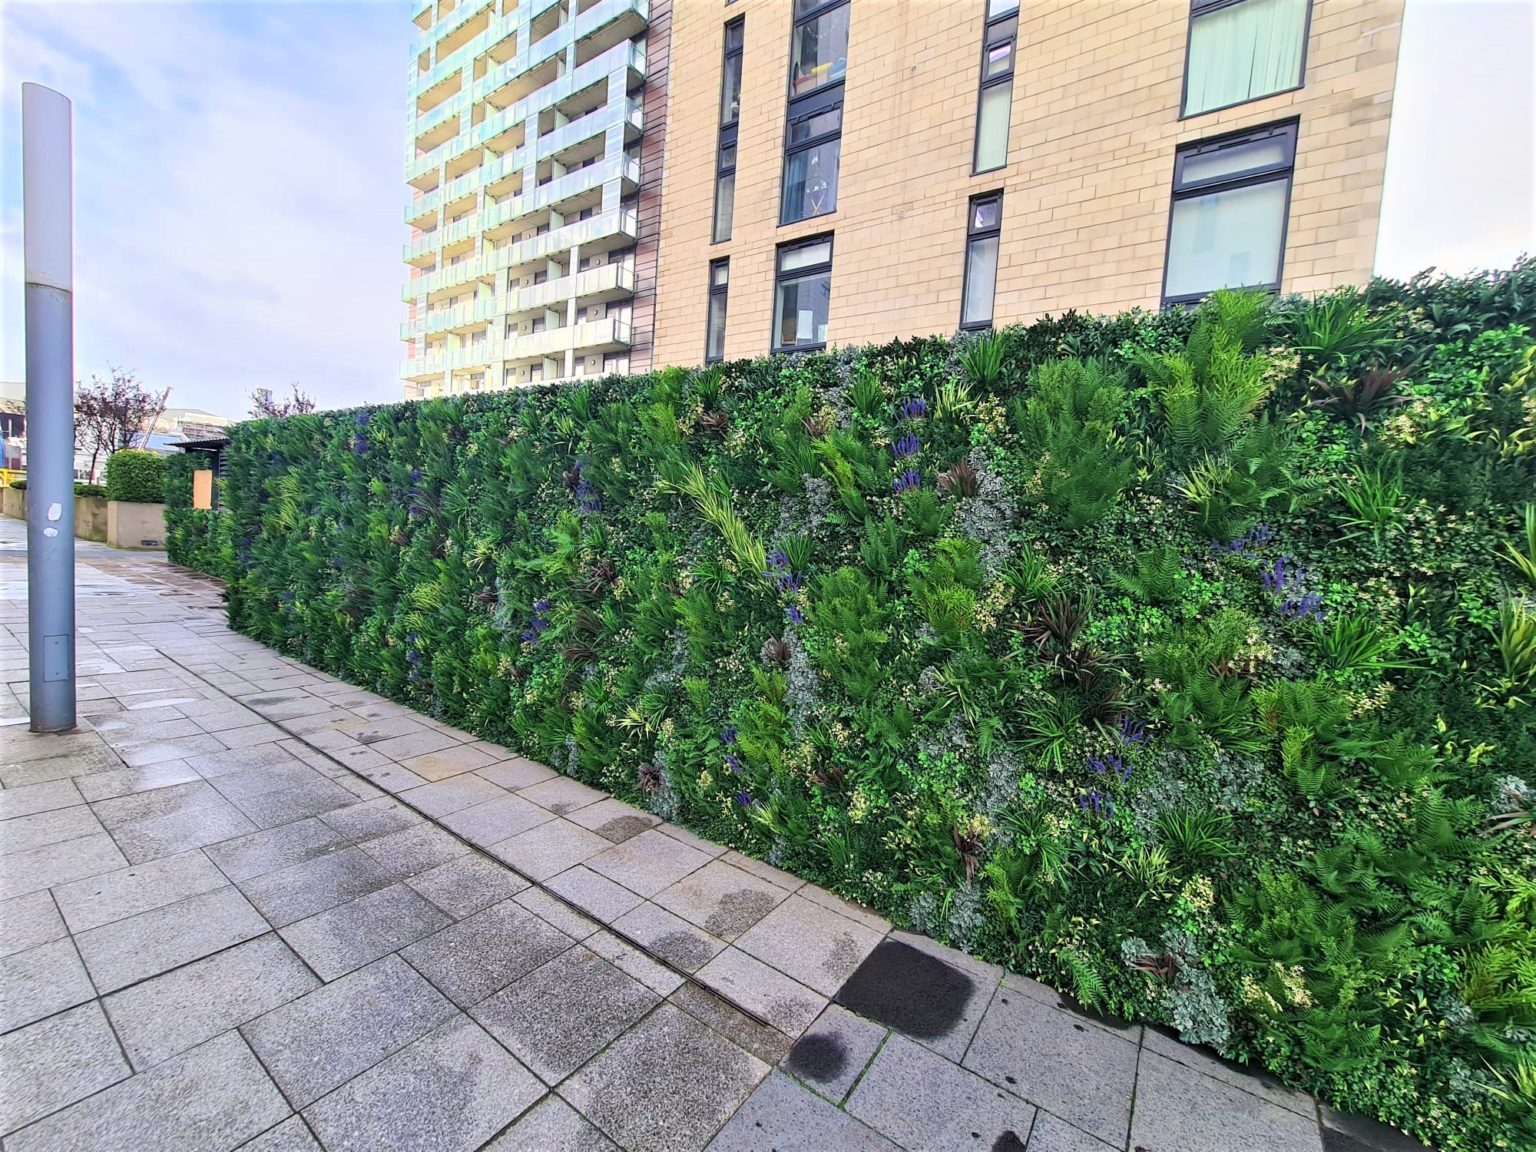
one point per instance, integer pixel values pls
(238, 192)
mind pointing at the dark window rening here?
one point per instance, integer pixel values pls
(994, 104)
(802, 294)
(813, 128)
(730, 115)
(983, 236)
(719, 288)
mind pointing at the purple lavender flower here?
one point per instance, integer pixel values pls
(733, 762)
(364, 417)
(1308, 605)
(359, 445)
(1109, 762)
(539, 624)
(794, 615)
(912, 408)
(907, 481)
(1096, 803)
(1132, 730)
(744, 798)
(778, 560)
(587, 496)
(1260, 535)
(906, 447)
(728, 735)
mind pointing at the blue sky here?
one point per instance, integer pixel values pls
(239, 179)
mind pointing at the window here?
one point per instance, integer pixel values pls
(995, 104)
(1240, 50)
(814, 120)
(730, 113)
(983, 230)
(1231, 196)
(719, 285)
(802, 293)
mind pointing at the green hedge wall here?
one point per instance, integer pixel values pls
(136, 476)
(195, 537)
(1183, 661)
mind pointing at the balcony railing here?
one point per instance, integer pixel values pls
(556, 42)
(607, 335)
(467, 53)
(452, 22)
(459, 316)
(610, 281)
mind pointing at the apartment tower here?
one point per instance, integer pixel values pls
(820, 172)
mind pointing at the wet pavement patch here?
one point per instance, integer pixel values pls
(1008, 1142)
(621, 828)
(908, 990)
(738, 911)
(818, 1057)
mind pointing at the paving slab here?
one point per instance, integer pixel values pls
(445, 796)
(492, 821)
(815, 945)
(722, 898)
(127, 781)
(467, 884)
(39, 829)
(258, 853)
(483, 953)
(312, 798)
(788, 1006)
(648, 862)
(415, 850)
(292, 1135)
(449, 762)
(301, 890)
(1053, 1134)
(548, 848)
(213, 1098)
(41, 981)
(316, 1043)
(668, 1083)
(596, 895)
(168, 1015)
(341, 939)
(181, 831)
(54, 864)
(1185, 1111)
(96, 758)
(782, 1116)
(562, 1013)
(55, 1062)
(111, 896)
(126, 951)
(668, 937)
(43, 797)
(834, 1051)
(614, 820)
(552, 1125)
(561, 795)
(926, 1104)
(518, 772)
(372, 818)
(27, 921)
(450, 1091)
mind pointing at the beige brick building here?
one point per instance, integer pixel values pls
(612, 185)
(1094, 126)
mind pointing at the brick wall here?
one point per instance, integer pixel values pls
(653, 150)
(1086, 193)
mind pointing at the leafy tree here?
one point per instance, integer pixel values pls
(115, 413)
(264, 404)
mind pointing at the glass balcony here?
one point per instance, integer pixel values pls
(607, 335)
(461, 15)
(594, 286)
(464, 54)
(468, 315)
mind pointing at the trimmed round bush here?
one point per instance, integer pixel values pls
(137, 477)
(90, 490)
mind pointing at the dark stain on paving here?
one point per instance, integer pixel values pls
(684, 949)
(818, 1057)
(621, 828)
(1008, 1142)
(738, 911)
(266, 701)
(907, 990)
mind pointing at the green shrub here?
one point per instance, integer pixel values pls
(90, 489)
(20, 484)
(135, 476)
(1127, 651)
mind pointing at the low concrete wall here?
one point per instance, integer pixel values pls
(135, 525)
(13, 503)
(91, 518)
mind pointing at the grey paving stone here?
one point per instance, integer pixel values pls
(398, 748)
(40, 982)
(553, 912)
(668, 1083)
(181, 1009)
(246, 857)
(593, 894)
(292, 1135)
(19, 746)
(55, 1062)
(495, 820)
(212, 1098)
(1054, 1059)
(445, 796)
(94, 759)
(138, 755)
(99, 900)
(238, 760)
(518, 772)
(834, 1051)
(985, 978)
(24, 833)
(856, 912)
(1178, 1108)
(563, 1012)
(450, 1091)
(552, 1126)
(775, 876)
(254, 781)
(372, 818)
(127, 781)
(415, 850)
(301, 890)
(1254, 1080)
(632, 962)
(549, 848)
(768, 1044)
(669, 937)
(1053, 1134)
(926, 1104)
(1344, 1133)
(27, 921)
(323, 1039)
(380, 770)
(468, 884)
(58, 864)
(818, 947)
(614, 820)
(340, 939)
(649, 862)
(318, 796)
(485, 952)
(1045, 994)
(125, 951)
(747, 981)
(781, 1116)
(40, 797)
(448, 762)
(561, 795)
(181, 831)
(721, 898)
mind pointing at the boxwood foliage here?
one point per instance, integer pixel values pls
(136, 476)
(1184, 661)
(194, 537)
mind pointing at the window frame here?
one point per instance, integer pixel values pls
(729, 130)
(722, 290)
(780, 278)
(1198, 8)
(973, 234)
(804, 106)
(983, 82)
(738, 25)
(727, 141)
(1247, 178)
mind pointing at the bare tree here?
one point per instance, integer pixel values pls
(263, 403)
(115, 413)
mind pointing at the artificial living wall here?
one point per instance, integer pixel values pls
(1185, 661)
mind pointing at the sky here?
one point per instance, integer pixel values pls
(239, 183)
